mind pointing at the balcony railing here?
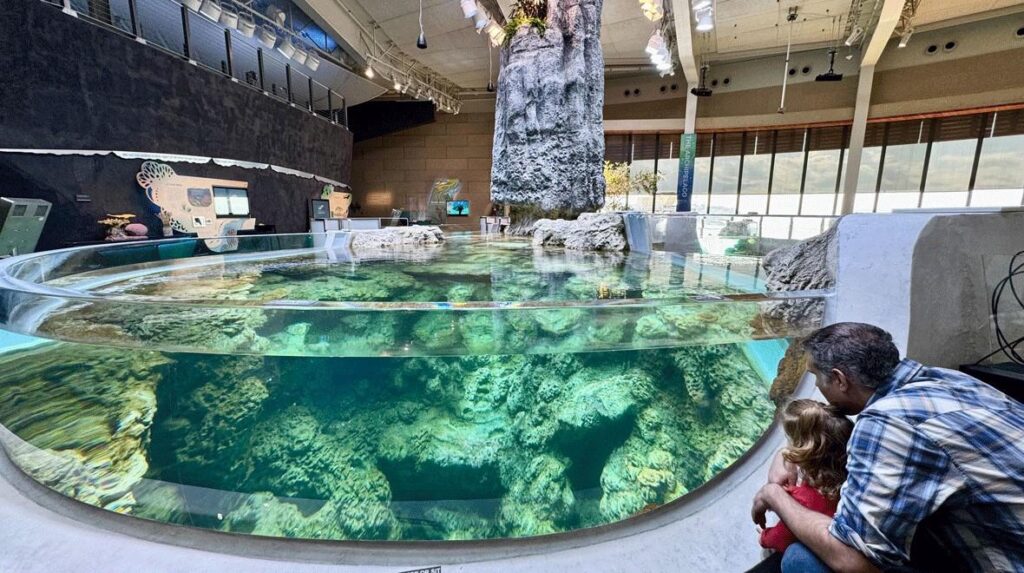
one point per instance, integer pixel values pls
(174, 28)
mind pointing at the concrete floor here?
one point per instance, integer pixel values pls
(709, 531)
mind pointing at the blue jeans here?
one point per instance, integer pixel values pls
(799, 559)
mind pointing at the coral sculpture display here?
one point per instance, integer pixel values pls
(548, 132)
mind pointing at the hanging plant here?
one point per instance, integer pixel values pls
(529, 13)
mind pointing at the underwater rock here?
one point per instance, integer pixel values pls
(790, 371)
(540, 498)
(548, 127)
(557, 321)
(590, 232)
(83, 432)
(395, 237)
(210, 415)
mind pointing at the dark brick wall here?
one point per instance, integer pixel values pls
(69, 84)
(274, 198)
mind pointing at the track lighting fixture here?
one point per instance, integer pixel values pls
(468, 8)
(286, 47)
(312, 61)
(905, 37)
(246, 25)
(211, 9)
(229, 17)
(855, 35)
(267, 37)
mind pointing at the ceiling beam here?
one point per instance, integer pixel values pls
(888, 19)
(684, 40)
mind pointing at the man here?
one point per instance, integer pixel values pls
(929, 445)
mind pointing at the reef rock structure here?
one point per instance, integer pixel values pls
(590, 232)
(548, 127)
(83, 431)
(808, 265)
(396, 237)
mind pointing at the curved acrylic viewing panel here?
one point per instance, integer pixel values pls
(477, 389)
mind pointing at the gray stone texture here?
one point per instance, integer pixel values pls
(808, 265)
(590, 232)
(548, 127)
(395, 237)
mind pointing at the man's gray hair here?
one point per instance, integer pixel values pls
(865, 353)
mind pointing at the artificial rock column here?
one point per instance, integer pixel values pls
(548, 151)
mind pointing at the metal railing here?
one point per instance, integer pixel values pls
(174, 28)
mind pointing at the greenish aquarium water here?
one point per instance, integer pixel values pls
(481, 388)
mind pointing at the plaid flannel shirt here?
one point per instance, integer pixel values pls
(932, 439)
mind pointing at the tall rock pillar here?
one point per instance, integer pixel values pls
(548, 129)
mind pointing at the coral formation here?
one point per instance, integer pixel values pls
(440, 421)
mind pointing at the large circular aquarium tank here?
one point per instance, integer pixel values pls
(479, 388)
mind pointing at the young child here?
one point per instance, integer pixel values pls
(817, 446)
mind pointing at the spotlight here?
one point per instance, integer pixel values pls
(398, 85)
(211, 9)
(705, 21)
(855, 35)
(701, 5)
(368, 71)
(229, 17)
(286, 47)
(276, 14)
(312, 62)
(266, 37)
(300, 56)
(481, 20)
(468, 8)
(246, 25)
(905, 37)
(421, 41)
(193, 4)
(655, 43)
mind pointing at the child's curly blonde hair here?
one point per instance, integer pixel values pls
(818, 435)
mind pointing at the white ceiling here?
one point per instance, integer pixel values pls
(742, 27)
(458, 53)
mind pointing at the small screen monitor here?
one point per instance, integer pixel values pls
(458, 208)
(321, 209)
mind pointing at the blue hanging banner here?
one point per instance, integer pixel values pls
(684, 188)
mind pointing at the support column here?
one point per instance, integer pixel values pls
(687, 154)
(857, 131)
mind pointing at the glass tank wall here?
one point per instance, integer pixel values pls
(476, 389)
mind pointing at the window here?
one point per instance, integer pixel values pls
(789, 165)
(728, 148)
(230, 202)
(905, 147)
(822, 176)
(757, 166)
(931, 162)
(1000, 179)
